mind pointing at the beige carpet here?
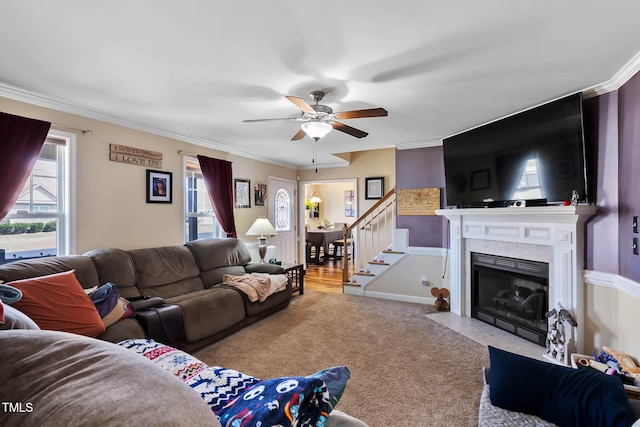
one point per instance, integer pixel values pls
(406, 370)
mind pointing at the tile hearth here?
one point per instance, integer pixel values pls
(486, 334)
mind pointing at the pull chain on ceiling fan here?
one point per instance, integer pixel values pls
(320, 119)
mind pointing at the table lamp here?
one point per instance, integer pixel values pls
(261, 227)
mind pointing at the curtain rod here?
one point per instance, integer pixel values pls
(84, 131)
(186, 153)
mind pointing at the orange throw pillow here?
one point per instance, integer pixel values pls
(57, 302)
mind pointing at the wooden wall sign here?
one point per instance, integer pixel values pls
(134, 156)
(418, 201)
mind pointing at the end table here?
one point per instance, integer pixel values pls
(295, 273)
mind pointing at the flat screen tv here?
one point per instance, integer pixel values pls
(536, 156)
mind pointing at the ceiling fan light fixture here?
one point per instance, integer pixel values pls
(316, 129)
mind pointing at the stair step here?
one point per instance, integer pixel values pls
(364, 273)
(392, 252)
(378, 263)
(355, 284)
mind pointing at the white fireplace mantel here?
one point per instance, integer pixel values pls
(553, 234)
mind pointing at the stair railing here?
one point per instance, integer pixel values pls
(369, 235)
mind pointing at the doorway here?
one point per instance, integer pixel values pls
(282, 214)
(338, 204)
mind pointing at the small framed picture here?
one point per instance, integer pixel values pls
(374, 188)
(260, 194)
(242, 193)
(159, 186)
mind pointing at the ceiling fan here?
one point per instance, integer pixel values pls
(319, 119)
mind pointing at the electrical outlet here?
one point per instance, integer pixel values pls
(424, 280)
(636, 250)
(635, 224)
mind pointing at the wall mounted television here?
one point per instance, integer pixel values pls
(537, 156)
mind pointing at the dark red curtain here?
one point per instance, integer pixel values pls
(218, 178)
(21, 141)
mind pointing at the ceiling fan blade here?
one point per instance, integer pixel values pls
(301, 104)
(357, 114)
(270, 120)
(348, 129)
(298, 135)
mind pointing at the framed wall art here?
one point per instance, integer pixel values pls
(260, 194)
(242, 193)
(374, 188)
(159, 186)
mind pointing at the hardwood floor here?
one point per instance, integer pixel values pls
(325, 278)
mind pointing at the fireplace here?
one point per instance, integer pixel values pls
(551, 235)
(511, 294)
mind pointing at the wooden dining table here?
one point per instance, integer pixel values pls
(324, 237)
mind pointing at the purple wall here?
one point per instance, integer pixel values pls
(601, 136)
(612, 134)
(422, 168)
(629, 174)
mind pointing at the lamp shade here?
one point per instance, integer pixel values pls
(315, 198)
(316, 129)
(261, 227)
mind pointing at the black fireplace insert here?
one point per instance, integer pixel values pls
(511, 294)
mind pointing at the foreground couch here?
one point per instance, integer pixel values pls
(54, 378)
(177, 290)
(521, 391)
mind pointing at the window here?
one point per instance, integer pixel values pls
(529, 186)
(38, 223)
(200, 219)
(282, 210)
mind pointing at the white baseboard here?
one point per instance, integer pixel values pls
(397, 297)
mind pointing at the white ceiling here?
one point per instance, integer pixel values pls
(194, 69)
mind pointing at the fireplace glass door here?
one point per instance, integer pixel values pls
(511, 294)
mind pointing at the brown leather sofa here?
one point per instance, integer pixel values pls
(183, 282)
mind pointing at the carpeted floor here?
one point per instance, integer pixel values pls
(406, 370)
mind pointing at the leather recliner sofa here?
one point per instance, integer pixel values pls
(184, 279)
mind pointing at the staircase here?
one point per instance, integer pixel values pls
(372, 245)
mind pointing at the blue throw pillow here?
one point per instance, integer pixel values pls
(558, 394)
(286, 402)
(335, 378)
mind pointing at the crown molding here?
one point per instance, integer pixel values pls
(419, 144)
(621, 77)
(16, 94)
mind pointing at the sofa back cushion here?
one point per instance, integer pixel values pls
(85, 270)
(115, 266)
(166, 271)
(217, 257)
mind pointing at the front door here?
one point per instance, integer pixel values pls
(282, 214)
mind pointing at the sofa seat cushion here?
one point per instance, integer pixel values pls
(166, 271)
(70, 380)
(209, 311)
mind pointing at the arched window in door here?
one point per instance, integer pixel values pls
(282, 210)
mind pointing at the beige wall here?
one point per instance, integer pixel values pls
(111, 208)
(364, 164)
(612, 319)
(405, 278)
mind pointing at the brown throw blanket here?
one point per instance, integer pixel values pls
(257, 286)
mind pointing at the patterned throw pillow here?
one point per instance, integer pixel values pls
(110, 305)
(237, 398)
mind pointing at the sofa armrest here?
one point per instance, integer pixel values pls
(146, 303)
(264, 267)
